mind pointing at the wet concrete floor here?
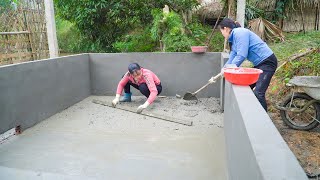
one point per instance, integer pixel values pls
(90, 141)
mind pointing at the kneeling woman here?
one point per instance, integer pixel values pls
(142, 79)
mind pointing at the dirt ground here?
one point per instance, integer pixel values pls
(304, 144)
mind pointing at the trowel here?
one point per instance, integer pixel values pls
(192, 96)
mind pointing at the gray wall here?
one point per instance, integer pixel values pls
(255, 149)
(224, 59)
(34, 91)
(178, 72)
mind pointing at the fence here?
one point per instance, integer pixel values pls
(23, 34)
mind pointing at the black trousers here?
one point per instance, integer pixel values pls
(268, 66)
(143, 88)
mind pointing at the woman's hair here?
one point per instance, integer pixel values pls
(227, 22)
(133, 67)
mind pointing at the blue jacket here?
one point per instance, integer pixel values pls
(247, 45)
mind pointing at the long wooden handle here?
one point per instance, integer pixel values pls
(153, 115)
(214, 78)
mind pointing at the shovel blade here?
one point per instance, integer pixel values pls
(189, 96)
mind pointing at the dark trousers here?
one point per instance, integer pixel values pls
(143, 88)
(268, 66)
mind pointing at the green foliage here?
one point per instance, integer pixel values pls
(100, 20)
(294, 43)
(308, 65)
(274, 16)
(71, 40)
(5, 5)
(165, 24)
(180, 43)
(182, 5)
(199, 34)
(174, 23)
(138, 41)
(217, 42)
(167, 28)
(280, 8)
(170, 30)
(305, 66)
(105, 21)
(253, 12)
(156, 29)
(173, 35)
(168, 33)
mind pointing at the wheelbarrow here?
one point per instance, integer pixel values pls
(301, 109)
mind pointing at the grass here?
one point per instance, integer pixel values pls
(304, 144)
(294, 43)
(308, 65)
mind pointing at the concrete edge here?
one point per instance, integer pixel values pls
(159, 53)
(252, 137)
(48, 59)
(223, 60)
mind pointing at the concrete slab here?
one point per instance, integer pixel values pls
(90, 141)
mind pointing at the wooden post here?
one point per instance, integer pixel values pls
(225, 40)
(51, 29)
(302, 17)
(27, 27)
(241, 7)
(317, 24)
(318, 17)
(8, 48)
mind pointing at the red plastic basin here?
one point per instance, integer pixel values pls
(199, 49)
(242, 76)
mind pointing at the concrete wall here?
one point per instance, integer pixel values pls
(223, 60)
(255, 149)
(34, 91)
(178, 72)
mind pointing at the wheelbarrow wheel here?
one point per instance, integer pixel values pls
(305, 120)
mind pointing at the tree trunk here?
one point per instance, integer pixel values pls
(231, 14)
(184, 17)
(232, 9)
(302, 17)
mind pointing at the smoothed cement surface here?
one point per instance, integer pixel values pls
(90, 141)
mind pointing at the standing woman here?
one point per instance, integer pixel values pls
(245, 44)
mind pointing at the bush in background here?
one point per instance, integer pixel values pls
(71, 40)
(169, 33)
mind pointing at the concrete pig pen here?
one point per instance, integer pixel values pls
(65, 136)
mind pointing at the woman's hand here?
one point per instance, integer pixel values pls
(116, 100)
